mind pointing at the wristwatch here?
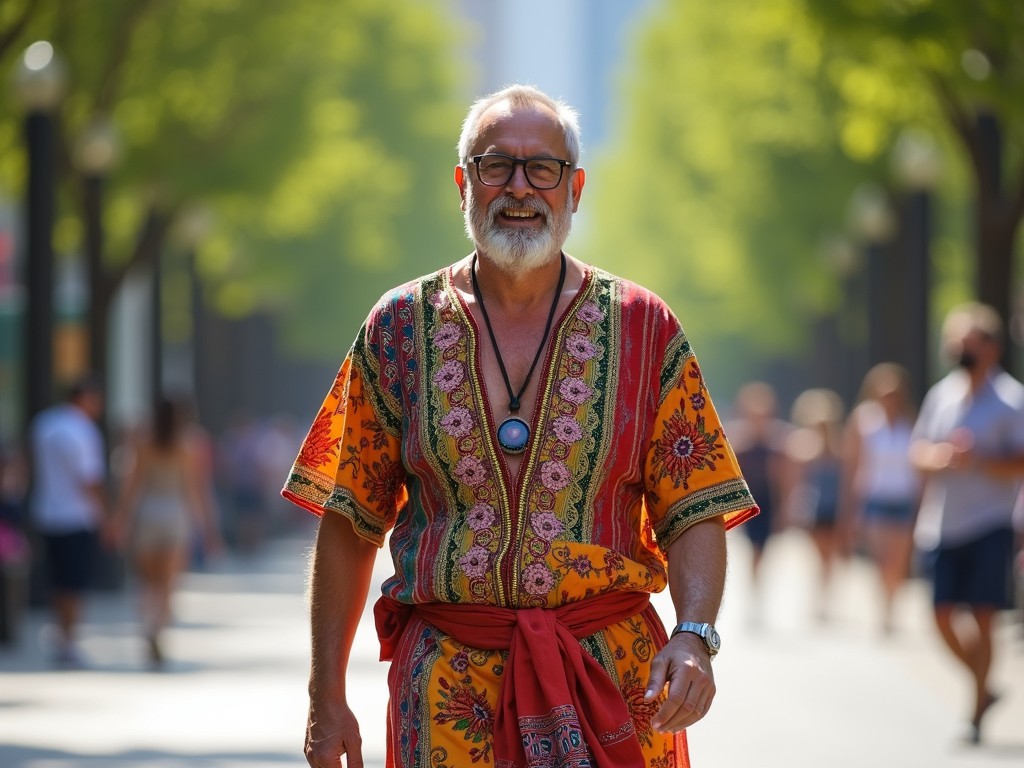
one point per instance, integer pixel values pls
(706, 632)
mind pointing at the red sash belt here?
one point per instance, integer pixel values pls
(547, 672)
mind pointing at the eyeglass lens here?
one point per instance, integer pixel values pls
(496, 170)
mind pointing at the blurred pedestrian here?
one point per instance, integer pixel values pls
(969, 443)
(758, 436)
(815, 488)
(886, 488)
(244, 484)
(160, 507)
(68, 503)
(532, 507)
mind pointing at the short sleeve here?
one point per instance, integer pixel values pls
(350, 460)
(691, 472)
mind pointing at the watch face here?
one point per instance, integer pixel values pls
(714, 641)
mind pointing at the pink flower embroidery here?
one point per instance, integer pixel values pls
(589, 312)
(546, 525)
(575, 390)
(447, 335)
(580, 347)
(470, 470)
(474, 563)
(555, 475)
(537, 579)
(567, 430)
(458, 422)
(450, 376)
(480, 516)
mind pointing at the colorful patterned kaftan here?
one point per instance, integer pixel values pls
(627, 452)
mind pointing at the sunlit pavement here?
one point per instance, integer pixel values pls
(793, 690)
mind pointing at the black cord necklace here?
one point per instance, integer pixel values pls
(513, 432)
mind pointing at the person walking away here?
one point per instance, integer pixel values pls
(969, 444)
(886, 486)
(160, 507)
(816, 492)
(758, 437)
(536, 436)
(68, 504)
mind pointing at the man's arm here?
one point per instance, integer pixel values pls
(696, 573)
(339, 584)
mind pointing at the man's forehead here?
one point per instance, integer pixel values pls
(533, 119)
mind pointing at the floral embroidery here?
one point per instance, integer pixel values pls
(319, 447)
(480, 516)
(575, 390)
(640, 711)
(546, 525)
(475, 562)
(698, 401)
(460, 662)
(470, 470)
(447, 335)
(466, 709)
(450, 376)
(555, 475)
(580, 347)
(589, 312)
(458, 422)
(567, 430)
(383, 479)
(684, 448)
(537, 579)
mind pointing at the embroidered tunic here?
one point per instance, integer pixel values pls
(626, 452)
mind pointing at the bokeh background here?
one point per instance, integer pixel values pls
(809, 183)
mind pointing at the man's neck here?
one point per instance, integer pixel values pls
(517, 290)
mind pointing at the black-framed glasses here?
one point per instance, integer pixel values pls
(495, 170)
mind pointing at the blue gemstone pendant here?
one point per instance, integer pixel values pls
(513, 435)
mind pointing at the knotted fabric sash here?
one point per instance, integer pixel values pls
(556, 701)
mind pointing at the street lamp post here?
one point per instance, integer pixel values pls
(917, 168)
(97, 152)
(39, 83)
(873, 225)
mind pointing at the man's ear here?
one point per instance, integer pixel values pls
(460, 182)
(579, 178)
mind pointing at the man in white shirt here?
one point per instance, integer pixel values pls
(69, 501)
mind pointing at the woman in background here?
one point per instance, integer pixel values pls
(161, 505)
(815, 452)
(886, 487)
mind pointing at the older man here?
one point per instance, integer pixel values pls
(536, 436)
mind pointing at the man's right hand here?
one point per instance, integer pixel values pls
(330, 733)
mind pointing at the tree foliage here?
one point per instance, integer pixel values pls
(317, 132)
(746, 126)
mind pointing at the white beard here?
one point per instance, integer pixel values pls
(514, 249)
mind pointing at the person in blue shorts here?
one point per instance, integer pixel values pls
(969, 444)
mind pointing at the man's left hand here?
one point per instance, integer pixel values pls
(685, 666)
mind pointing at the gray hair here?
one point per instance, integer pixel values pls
(520, 97)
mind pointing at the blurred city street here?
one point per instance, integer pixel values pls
(793, 691)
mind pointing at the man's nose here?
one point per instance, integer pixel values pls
(517, 183)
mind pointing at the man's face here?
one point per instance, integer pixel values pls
(515, 225)
(972, 349)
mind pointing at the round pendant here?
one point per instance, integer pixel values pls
(513, 435)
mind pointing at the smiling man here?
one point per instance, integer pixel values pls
(536, 436)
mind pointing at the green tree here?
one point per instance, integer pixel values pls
(728, 177)
(747, 126)
(317, 132)
(966, 60)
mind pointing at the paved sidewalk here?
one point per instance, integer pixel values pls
(794, 692)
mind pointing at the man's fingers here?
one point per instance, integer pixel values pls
(688, 701)
(656, 683)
